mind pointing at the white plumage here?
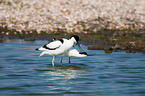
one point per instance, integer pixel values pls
(59, 47)
(74, 53)
(51, 46)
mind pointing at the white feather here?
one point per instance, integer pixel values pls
(61, 47)
(74, 53)
(54, 44)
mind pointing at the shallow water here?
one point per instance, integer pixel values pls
(24, 73)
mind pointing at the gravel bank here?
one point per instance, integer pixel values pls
(70, 16)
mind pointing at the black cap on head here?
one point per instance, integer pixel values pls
(76, 37)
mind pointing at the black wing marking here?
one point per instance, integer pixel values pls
(61, 40)
(50, 48)
(55, 44)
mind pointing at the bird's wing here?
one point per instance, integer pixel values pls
(53, 45)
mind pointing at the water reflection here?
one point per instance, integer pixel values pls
(59, 77)
(62, 72)
(23, 73)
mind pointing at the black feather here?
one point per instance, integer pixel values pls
(50, 48)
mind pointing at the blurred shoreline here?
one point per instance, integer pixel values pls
(110, 23)
(81, 16)
(129, 42)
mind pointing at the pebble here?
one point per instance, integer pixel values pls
(52, 14)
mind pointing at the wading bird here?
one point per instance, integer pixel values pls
(74, 53)
(59, 46)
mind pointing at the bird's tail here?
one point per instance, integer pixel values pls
(41, 49)
(42, 54)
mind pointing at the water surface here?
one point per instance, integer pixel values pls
(24, 73)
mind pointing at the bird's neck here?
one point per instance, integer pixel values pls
(72, 39)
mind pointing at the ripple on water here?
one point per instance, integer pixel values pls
(19, 75)
(29, 63)
(23, 73)
(10, 88)
(47, 69)
(1, 67)
(79, 92)
(40, 94)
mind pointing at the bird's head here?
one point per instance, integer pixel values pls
(77, 41)
(75, 37)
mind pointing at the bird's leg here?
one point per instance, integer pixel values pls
(53, 60)
(61, 59)
(69, 60)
